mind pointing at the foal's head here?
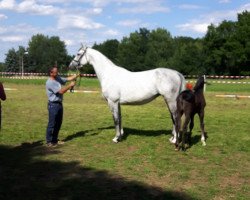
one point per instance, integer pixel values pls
(199, 84)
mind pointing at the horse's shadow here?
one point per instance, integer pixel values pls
(131, 131)
(196, 139)
(147, 133)
(127, 132)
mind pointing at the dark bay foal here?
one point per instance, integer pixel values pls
(190, 102)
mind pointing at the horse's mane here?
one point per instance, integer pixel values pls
(102, 55)
(199, 84)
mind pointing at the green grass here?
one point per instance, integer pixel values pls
(143, 166)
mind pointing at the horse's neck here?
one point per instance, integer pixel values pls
(199, 90)
(100, 63)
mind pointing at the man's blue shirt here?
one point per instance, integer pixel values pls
(53, 87)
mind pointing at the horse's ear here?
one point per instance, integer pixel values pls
(83, 46)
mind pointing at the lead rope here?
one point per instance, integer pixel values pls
(72, 90)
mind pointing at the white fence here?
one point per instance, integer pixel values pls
(209, 78)
(14, 75)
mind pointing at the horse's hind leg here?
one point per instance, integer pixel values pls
(173, 110)
(203, 137)
(116, 111)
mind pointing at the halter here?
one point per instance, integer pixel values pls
(80, 57)
(77, 68)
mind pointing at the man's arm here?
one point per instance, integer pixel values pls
(66, 88)
(73, 77)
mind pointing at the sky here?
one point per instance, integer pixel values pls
(95, 21)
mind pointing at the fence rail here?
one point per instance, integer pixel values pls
(14, 75)
(235, 79)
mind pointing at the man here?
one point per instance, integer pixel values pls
(2, 97)
(55, 93)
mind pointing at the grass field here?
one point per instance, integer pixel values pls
(143, 166)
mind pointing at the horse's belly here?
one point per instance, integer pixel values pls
(136, 99)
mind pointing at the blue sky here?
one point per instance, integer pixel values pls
(89, 21)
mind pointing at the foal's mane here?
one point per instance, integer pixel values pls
(199, 84)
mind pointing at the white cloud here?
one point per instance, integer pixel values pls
(147, 8)
(111, 32)
(68, 42)
(2, 16)
(194, 26)
(19, 33)
(129, 23)
(224, 1)
(3, 30)
(76, 21)
(244, 7)
(15, 38)
(7, 4)
(189, 6)
(200, 26)
(29, 6)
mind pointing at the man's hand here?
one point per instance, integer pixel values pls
(72, 83)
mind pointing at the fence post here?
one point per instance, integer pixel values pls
(204, 89)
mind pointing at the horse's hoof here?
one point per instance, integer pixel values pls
(115, 140)
(204, 144)
(172, 140)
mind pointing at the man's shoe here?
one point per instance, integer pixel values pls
(60, 142)
(50, 144)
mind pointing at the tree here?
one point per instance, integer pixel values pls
(132, 50)
(187, 57)
(12, 61)
(160, 49)
(227, 47)
(109, 48)
(45, 52)
(243, 38)
(2, 67)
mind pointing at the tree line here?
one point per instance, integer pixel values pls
(224, 50)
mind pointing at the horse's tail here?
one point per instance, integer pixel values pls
(183, 83)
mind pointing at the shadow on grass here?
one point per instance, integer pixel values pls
(127, 132)
(196, 139)
(25, 175)
(83, 133)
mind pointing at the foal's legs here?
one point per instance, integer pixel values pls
(184, 130)
(191, 126)
(203, 137)
(116, 111)
(178, 127)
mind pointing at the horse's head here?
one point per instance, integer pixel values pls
(80, 59)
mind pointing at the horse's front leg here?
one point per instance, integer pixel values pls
(116, 111)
